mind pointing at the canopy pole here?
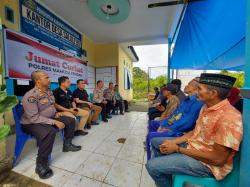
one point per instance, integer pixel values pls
(169, 58)
(245, 149)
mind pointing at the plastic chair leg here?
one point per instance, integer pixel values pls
(20, 142)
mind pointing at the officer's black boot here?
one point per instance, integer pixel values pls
(42, 169)
(68, 146)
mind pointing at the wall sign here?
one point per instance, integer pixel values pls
(40, 23)
(23, 56)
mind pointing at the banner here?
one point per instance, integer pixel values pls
(40, 23)
(23, 56)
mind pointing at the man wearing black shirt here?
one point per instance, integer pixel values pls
(66, 105)
(82, 101)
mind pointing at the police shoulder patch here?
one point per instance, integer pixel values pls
(31, 99)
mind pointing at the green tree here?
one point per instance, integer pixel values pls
(157, 82)
(140, 83)
(138, 73)
(240, 76)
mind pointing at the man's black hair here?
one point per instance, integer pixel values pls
(176, 82)
(111, 83)
(62, 79)
(78, 81)
(99, 81)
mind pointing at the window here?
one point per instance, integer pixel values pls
(127, 79)
(9, 14)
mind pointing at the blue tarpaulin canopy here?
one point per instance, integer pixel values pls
(211, 36)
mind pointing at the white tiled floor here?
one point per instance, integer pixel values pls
(102, 162)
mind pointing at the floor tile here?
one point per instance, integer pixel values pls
(132, 153)
(146, 180)
(116, 135)
(139, 132)
(80, 181)
(108, 148)
(135, 140)
(102, 162)
(25, 167)
(88, 143)
(145, 158)
(106, 185)
(58, 179)
(96, 166)
(69, 161)
(124, 174)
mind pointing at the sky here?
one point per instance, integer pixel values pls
(152, 56)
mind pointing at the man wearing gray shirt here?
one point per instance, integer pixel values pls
(41, 120)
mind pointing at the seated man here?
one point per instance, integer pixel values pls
(179, 93)
(188, 109)
(153, 98)
(172, 101)
(119, 102)
(182, 120)
(157, 92)
(82, 101)
(41, 121)
(66, 105)
(99, 100)
(108, 94)
(208, 150)
(159, 107)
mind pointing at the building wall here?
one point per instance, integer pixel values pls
(125, 62)
(14, 5)
(106, 55)
(89, 46)
(187, 75)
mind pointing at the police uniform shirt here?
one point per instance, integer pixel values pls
(63, 98)
(38, 107)
(81, 94)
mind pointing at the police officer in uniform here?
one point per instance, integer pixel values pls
(41, 120)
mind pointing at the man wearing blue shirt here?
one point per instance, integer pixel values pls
(182, 119)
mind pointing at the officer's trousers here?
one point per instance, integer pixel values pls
(110, 106)
(83, 114)
(45, 136)
(93, 117)
(104, 110)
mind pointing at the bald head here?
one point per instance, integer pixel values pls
(192, 87)
(40, 78)
(195, 82)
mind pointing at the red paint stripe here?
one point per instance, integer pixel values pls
(16, 74)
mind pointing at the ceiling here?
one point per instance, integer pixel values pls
(143, 26)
